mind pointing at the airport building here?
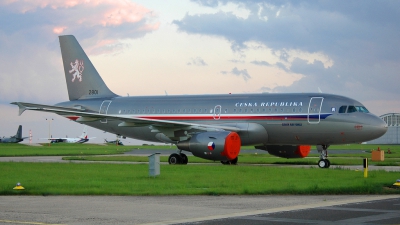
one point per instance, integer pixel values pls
(392, 134)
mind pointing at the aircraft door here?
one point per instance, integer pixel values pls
(314, 110)
(217, 112)
(104, 108)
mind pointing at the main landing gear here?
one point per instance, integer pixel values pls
(230, 162)
(323, 157)
(178, 158)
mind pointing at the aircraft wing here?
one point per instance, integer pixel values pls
(157, 125)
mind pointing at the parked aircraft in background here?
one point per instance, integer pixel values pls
(115, 142)
(81, 139)
(212, 127)
(14, 139)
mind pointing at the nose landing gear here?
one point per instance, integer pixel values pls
(323, 157)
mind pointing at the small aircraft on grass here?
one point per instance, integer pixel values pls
(81, 139)
(14, 139)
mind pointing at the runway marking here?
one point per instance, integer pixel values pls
(274, 210)
(27, 222)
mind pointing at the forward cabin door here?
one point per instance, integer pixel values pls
(104, 108)
(314, 110)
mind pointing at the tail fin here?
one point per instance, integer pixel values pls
(84, 135)
(83, 80)
(19, 132)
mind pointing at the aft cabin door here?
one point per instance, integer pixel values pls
(104, 108)
(314, 110)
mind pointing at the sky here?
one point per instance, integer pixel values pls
(150, 47)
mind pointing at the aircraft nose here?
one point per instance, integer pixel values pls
(378, 127)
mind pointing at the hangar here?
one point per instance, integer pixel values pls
(392, 134)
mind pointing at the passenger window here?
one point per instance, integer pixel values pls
(342, 109)
(351, 109)
(234, 110)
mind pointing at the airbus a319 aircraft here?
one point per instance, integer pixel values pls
(212, 127)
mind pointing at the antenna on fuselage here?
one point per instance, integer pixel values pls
(166, 93)
(319, 90)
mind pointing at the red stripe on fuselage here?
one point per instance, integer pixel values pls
(244, 117)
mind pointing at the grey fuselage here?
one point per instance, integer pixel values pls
(266, 119)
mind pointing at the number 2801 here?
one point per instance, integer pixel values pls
(93, 92)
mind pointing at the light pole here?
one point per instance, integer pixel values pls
(49, 129)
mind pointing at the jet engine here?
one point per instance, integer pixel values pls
(213, 145)
(287, 151)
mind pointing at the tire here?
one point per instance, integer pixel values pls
(322, 163)
(327, 163)
(185, 159)
(175, 159)
(234, 161)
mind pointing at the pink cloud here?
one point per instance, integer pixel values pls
(111, 20)
(90, 12)
(59, 30)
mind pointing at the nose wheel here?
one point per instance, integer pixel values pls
(324, 163)
(323, 157)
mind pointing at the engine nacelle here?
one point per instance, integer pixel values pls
(215, 145)
(289, 151)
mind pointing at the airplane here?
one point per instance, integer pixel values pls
(14, 139)
(212, 127)
(81, 139)
(115, 142)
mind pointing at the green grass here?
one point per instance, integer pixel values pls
(60, 149)
(249, 159)
(133, 179)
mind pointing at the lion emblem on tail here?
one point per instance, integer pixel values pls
(77, 69)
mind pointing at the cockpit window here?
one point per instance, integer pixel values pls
(362, 109)
(352, 108)
(342, 109)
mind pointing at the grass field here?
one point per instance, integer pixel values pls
(392, 159)
(133, 179)
(62, 149)
(193, 179)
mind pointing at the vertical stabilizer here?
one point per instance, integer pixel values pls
(84, 135)
(19, 132)
(83, 80)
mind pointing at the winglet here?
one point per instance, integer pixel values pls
(22, 108)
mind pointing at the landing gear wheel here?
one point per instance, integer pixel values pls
(328, 163)
(324, 163)
(230, 162)
(184, 159)
(234, 161)
(175, 159)
(321, 163)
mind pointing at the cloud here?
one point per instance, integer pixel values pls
(29, 48)
(90, 21)
(260, 63)
(235, 71)
(332, 44)
(197, 61)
